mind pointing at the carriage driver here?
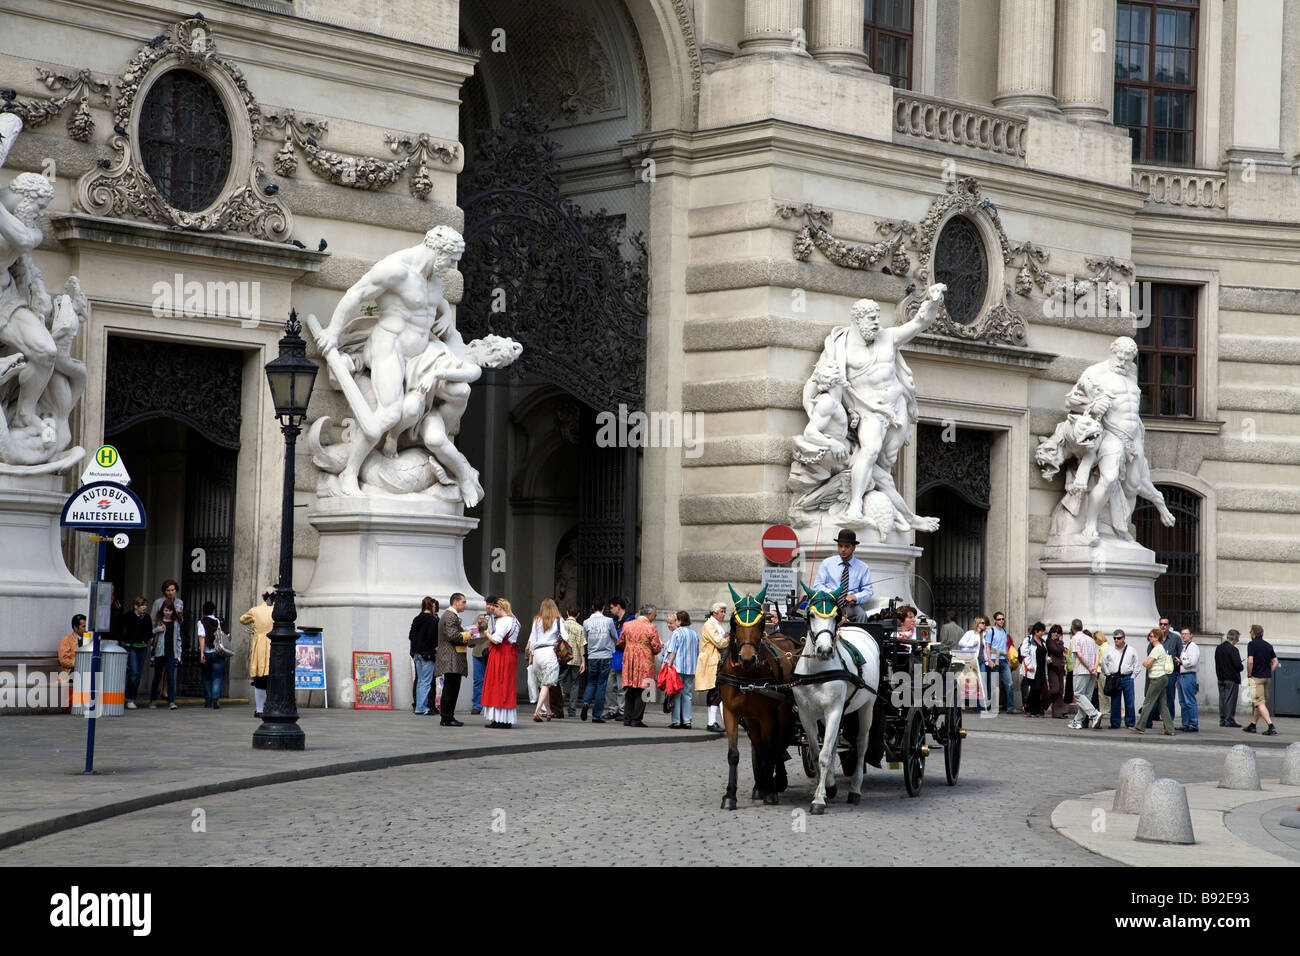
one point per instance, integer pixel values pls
(852, 573)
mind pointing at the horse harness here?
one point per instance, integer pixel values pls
(757, 684)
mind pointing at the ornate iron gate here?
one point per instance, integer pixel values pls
(209, 550)
(571, 286)
(959, 470)
(1178, 590)
(200, 388)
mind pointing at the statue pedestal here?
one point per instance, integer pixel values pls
(1108, 586)
(38, 594)
(378, 557)
(892, 565)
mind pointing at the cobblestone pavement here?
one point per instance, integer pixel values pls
(655, 803)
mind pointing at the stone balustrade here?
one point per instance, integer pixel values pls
(988, 130)
(1188, 188)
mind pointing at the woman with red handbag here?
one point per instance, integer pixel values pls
(681, 654)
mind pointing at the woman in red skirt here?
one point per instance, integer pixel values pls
(500, 699)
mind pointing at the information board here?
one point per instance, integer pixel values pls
(372, 678)
(309, 661)
(780, 581)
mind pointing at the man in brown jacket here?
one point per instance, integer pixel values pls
(449, 660)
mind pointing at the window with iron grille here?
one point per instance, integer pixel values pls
(887, 38)
(1155, 79)
(961, 264)
(1178, 590)
(185, 140)
(1167, 353)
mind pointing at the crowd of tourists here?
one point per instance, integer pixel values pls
(1088, 676)
(602, 666)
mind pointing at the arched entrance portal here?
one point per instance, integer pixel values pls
(555, 257)
(173, 413)
(952, 485)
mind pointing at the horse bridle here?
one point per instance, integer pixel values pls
(825, 608)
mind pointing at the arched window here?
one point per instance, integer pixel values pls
(961, 264)
(1178, 590)
(185, 140)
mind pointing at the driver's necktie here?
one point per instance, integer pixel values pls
(844, 586)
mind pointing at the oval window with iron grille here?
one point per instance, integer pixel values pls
(961, 264)
(185, 140)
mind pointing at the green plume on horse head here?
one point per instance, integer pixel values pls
(749, 609)
(824, 603)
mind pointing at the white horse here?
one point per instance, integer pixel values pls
(846, 687)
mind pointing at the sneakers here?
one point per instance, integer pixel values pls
(1096, 721)
(598, 720)
(1137, 730)
(1167, 733)
(716, 729)
(1074, 725)
(1271, 732)
(173, 706)
(130, 705)
(1249, 728)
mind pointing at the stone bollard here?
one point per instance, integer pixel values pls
(1135, 777)
(1166, 817)
(1239, 770)
(1291, 766)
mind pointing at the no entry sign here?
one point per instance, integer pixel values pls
(780, 544)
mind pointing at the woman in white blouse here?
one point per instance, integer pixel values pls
(541, 656)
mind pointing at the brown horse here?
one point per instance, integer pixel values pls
(749, 666)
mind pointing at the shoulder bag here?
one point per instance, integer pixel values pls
(563, 652)
(1111, 687)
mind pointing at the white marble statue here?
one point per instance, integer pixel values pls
(40, 381)
(1103, 434)
(861, 405)
(406, 374)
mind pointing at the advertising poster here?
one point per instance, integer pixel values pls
(372, 676)
(309, 661)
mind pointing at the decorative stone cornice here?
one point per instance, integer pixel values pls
(301, 134)
(79, 86)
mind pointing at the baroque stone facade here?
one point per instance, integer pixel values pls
(773, 179)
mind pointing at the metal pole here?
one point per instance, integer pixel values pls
(94, 665)
(279, 729)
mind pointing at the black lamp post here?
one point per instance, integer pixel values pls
(291, 377)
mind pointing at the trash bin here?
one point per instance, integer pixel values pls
(1285, 686)
(110, 684)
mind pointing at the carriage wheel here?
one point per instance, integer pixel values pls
(913, 757)
(806, 754)
(952, 745)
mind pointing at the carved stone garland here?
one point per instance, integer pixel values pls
(123, 188)
(365, 172)
(36, 113)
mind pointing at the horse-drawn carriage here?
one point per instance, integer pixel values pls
(916, 702)
(832, 689)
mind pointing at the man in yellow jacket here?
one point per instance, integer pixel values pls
(714, 638)
(259, 654)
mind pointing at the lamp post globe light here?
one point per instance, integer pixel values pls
(291, 376)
